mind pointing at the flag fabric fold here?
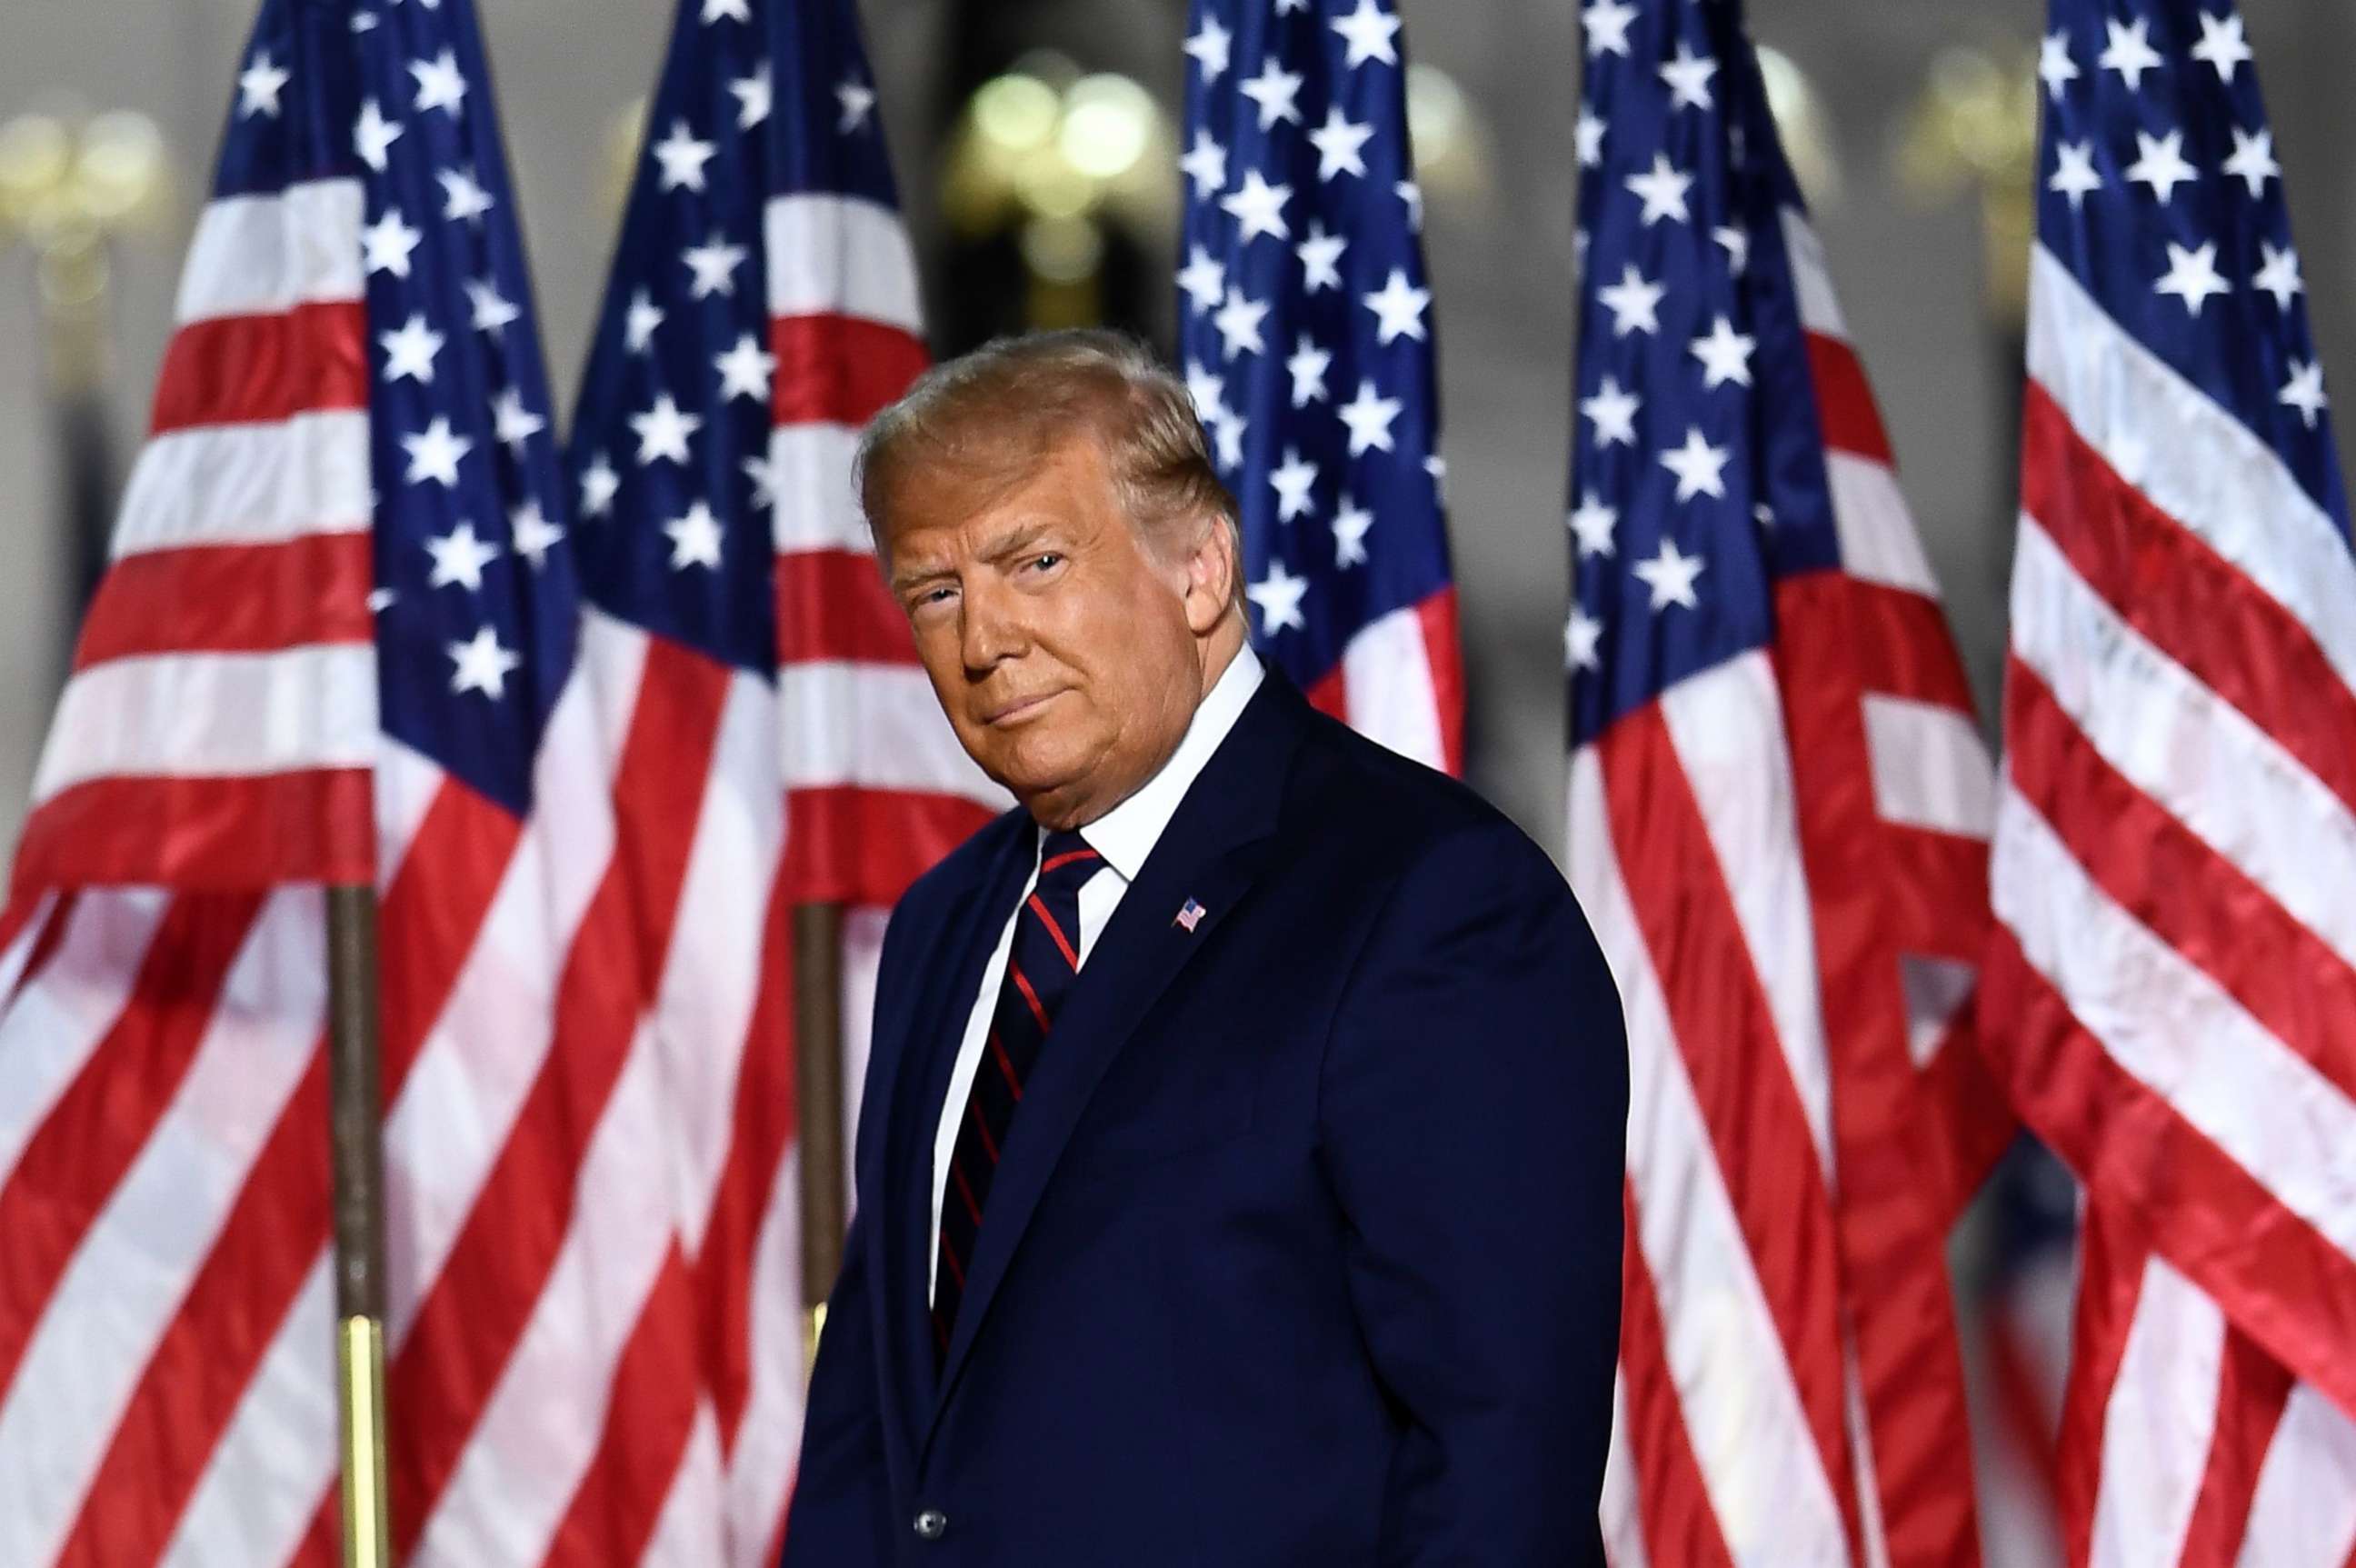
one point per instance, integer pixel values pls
(1778, 817)
(1306, 325)
(2169, 987)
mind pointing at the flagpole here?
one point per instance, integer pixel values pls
(355, 1088)
(818, 1091)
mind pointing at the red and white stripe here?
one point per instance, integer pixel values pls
(565, 1312)
(2174, 966)
(201, 1421)
(1401, 682)
(1784, 858)
(224, 689)
(160, 1116)
(877, 786)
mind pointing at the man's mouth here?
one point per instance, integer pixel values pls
(1020, 709)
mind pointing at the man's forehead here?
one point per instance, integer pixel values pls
(947, 511)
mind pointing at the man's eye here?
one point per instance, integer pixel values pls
(1047, 563)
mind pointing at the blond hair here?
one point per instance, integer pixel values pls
(996, 413)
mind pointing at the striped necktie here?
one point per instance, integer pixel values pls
(1040, 970)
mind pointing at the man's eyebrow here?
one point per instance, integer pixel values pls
(1015, 541)
(903, 578)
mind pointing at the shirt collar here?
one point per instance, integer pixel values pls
(1127, 834)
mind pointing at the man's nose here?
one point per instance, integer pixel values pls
(992, 630)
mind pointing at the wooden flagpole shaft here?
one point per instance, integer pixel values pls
(818, 1090)
(355, 1090)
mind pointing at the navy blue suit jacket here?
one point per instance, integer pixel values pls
(1304, 1246)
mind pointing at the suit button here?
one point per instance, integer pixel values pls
(932, 1524)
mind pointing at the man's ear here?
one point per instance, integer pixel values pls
(1213, 573)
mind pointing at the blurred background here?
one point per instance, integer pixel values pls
(1035, 141)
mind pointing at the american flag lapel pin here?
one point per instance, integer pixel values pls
(1190, 916)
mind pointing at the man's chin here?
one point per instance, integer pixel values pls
(1051, 791)
(1052, 805)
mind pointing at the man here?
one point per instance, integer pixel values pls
(1239, 1169)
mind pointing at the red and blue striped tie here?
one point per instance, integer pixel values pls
(1040, 970)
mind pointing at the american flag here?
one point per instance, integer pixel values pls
(1305, 321)
(2169, 992)
(763, 306)
(337, 643)
(1778, 808)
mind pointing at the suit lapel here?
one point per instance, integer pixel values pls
(902, 1244)
(1213, 848)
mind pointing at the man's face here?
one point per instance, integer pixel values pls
(1060, 648)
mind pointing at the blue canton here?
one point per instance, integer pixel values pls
(670, 447)
(2159, 192)
(1697, 470)
(475, 605)
(1305, 318)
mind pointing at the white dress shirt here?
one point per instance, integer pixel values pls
(1124, 836)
